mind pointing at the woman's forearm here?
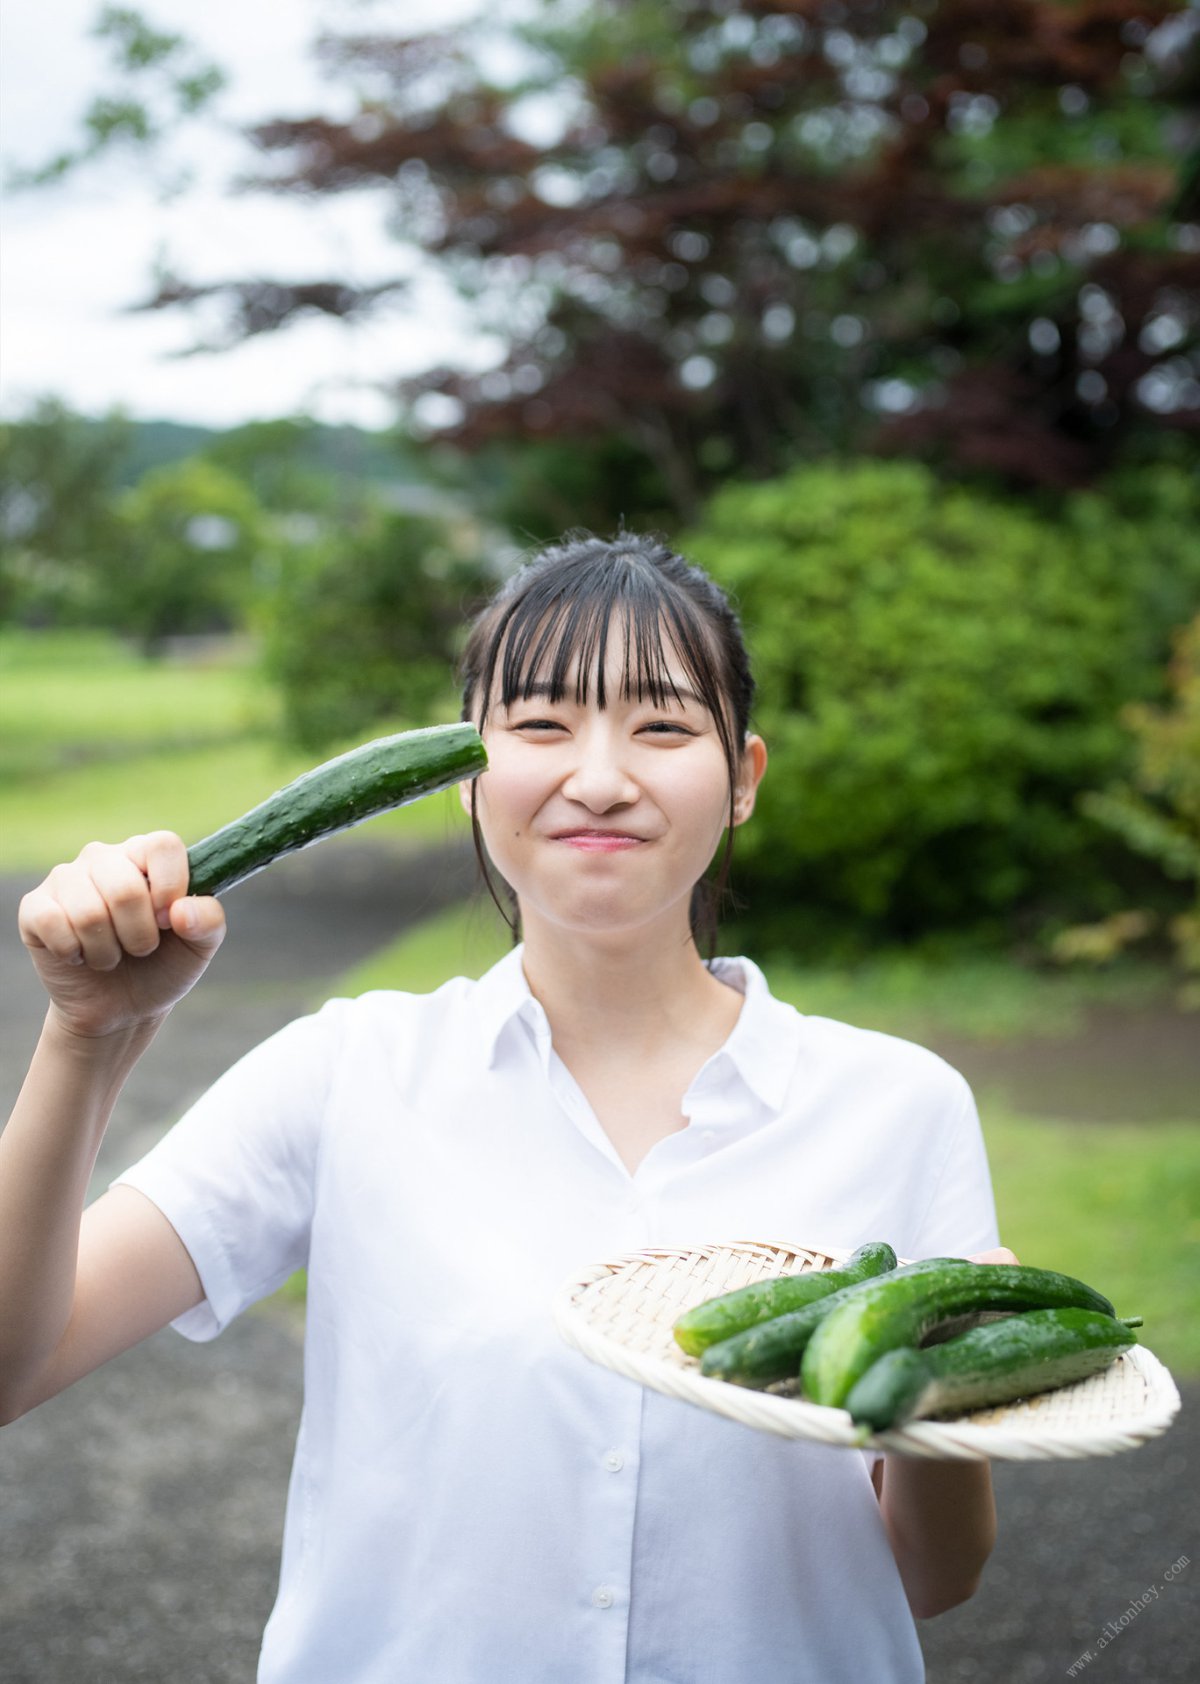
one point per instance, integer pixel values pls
(941, 1523)
(47, 1155)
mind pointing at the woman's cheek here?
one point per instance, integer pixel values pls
(506, 811)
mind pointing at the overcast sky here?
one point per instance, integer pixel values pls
(75, 256)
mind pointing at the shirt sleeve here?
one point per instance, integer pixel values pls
(236, 1175)
(960, 1218)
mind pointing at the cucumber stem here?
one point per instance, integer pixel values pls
(1131, 1321)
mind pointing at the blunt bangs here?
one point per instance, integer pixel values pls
(564, 622)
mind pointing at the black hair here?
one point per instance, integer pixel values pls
(556, 611)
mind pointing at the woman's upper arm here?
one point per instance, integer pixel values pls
(134, 1276)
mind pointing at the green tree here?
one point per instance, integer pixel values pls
(941, 674)
(158, 81)
(728, 234)
(58, 474)
(365, 627)
(186, 546)
(276, 460)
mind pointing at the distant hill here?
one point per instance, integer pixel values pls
(155, 444)
(349, 452)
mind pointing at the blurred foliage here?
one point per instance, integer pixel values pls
(294, 464)
(716, 238)
(940, 675)
(58, 474)
(290, 530)
(367, 626)
(159, 80)
(275, 459)
(544, 487)
(187, 541)
(719, 235)
(1157, 814)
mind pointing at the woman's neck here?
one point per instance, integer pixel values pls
(632, 996)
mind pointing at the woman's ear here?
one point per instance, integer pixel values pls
(464, 794)
(754, 764)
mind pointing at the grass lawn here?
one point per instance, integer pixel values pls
(73, 696)
(96, 741)
(1119, 1206)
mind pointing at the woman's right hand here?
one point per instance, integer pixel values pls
(115, 937)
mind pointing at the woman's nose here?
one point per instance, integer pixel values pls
(599, 778)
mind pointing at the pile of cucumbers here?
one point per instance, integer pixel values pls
(893, 1343)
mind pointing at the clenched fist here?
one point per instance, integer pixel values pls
(115, 936)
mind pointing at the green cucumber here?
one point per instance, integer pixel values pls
(733, 1312)
(761, 1355)
(388, 772)
(904, 1307)
(1032, 1351)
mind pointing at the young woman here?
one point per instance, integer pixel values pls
(471, 1501)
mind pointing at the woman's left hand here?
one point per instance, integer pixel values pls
(1001, 1255)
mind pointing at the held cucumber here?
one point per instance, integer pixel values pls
(772, 1350)
(1031, 1351)
(389, 772)
(904, 1307)
(720, 1318)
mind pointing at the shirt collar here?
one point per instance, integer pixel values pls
(764, 1043)
(761, 1050)
(502, 995)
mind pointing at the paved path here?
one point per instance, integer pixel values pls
(141, 1513)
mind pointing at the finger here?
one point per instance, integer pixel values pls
(126, 894)
(1000, 1255)
(43, 925)
(199, 920)
(162, 858)
(87, 913)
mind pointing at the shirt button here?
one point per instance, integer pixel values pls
(602, 1597)
(614, 1461)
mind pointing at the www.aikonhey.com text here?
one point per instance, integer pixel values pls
(1113, 1628)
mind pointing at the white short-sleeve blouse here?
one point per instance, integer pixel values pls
(472, 1502)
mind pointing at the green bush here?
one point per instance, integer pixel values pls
(941, 675)
(369, 629)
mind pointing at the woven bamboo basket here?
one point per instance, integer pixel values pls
(620, 1313)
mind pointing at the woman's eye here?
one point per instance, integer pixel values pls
(668, 725)
(538, 725)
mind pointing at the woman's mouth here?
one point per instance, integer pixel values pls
(599, 841)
